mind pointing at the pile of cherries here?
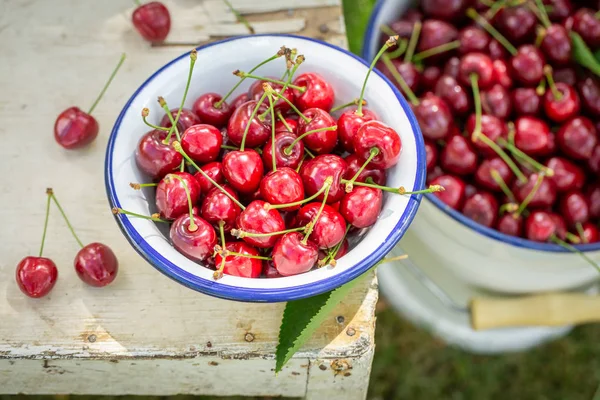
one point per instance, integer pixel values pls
(270, 183)
(509, 119)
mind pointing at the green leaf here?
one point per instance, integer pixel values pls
(356, 16)
(597, 55)
(583, 55)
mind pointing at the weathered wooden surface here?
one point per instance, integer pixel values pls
(144, 334)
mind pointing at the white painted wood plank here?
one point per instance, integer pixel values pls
(217, 8)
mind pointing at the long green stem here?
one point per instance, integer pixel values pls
(288, 150)
(402, 45)
(258, 104)
(311, 225)
(49, 195)
(238, 233)
(581, 232)
(374, 152)
(240, 18)
(192, 227)
(299, 202)
(348, 104)
(502, 154)
(503, 186)
(530, 195)
(555, 92)
(154, 217)
(163, 104)
(138, 186)
(412, 43)
(242, 74)
(436, 50)
(283, 121)
(107, 84)
(62, 212)
(542, 14)
(145, 113)
(387, 30)
(218, 274)
(300, 60)
(471, 13)
(292, 106)
(405, 88)
(477, 102)
(193, 57)
(330, 258)
(400, 190)
(274, 158)
(525, 159)
(233, 253)
(567, 246)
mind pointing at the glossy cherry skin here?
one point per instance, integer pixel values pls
(577, 138)
(217, 207)
(74, 128)
(483, 175)
(545, 196)
(473, 40)
(509, 225)
(244, 267)
(243, 170)
(567, 175)
(532, 136)
(238, 101)
(375, 134)
(256, 218)
(152, 21)
(589, 89)
(556, 45)
(564, 108)
(516, 23)
(171, 196)
(590, 233)
(435, 33)
(455, 96)
(527, 66)
(482, 208)
(321, 142)
(586, 23)
(316, 171)
(479, 64)
(526, 101)
(434, 117)
(594, 161)
(291, 256)
(282, 141)
(430, 76)
(292, 123)
(214, 171)
(96, 264)
(318, 94)
(282, 187)
(258, 133)
(202, 142)
(502, 74)
(329, 229)
(453, 194)
(458, 156)
(361, 207)
(348, 124)
(186, 119)
(154, 157)
(36, 276)
(540, 226)
(407, 71)
(497, 51)
(492, 127)
(256, 91)
(496, 101)
(197, 245)
(444, 9)
(354, 164)
(205, 108)
(574, 207)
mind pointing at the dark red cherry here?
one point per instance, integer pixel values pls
(453, 194)
(318, 93)
(574, 208)
(186, 119)
(330, 227)
(502, 74)
(217, 207)
(36, 276)
(545, 196)
(235, 265)
(430, 76)
(540, 226)
(204, 107)
(355, 163)
(517, 24)
(556, 44)
(473, 40)
(431, 153)
(377, 135)
(577, 138)
(594, 161)
(256, 218)
(258, 133)
(590, 233)
(435, 33)
(567, 176)
(458, 156)
(586, 23)
(497, 51)
(269, 271)
(434, 117)
(292, 123)
(449, 90)
(256, 91)
(316, 171)
(470, 190)
(403, 28)
(509, 225)
(321, 142)
(243, 170)
(238, 101)
(282, 187)
(202, 142)
(496, 101)
(291, 256)
(526, 101)
(589, 89)
(171, 195)
(348, 124)
(196, 244)
(75, 128)
(563, 108)
(479, 64)
(96, 264)
(532, 136)
(361, 207)
(482, 208)
(483, 175)
(215, 171)
(492, 127)
(592, 195)
(282, 141)
(559, 10)
(452, 67)
(448, 10)
(155, 158)
(436, 172)
(152, 21)
(527, 66)
(343, 250)
(407, 71)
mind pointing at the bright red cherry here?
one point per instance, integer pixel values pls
(96, 264)
(370, 171)
(516, 23)
(540, 226)
(509, 225)
(318, 92)
(152, 21)
(187, 118)
(562, 108)
(202, 142)
(282, 186)
(496, 101)
(574, 208)
(473, 40)
(567, 175)
(154, 157)
(243, 169)
(292, 256)
(315, 172)
(217, 207)
(453, 194)
(75, 128)
(479, 64)
(482, 208)
(282, 141)
(362, 206)
(171, 194)
(329, 228)
(205, 107)
(545, 196)
(348, 124)
(458, 156)
(214, 171)
(484, 178)
(434, 117)
(557, 44)
(36, 276)
(256, 91)
(577, 138)
(377, 135)
(256, 218)
(197, 241)
(258, 133)
(450, 91)
(235, 265)
(526, 101)
(322, 142)
(532, 136)
(590, 233)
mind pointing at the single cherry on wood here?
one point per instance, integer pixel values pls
(152, 20)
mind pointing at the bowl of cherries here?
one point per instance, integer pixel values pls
(507, 95)
(271, 168)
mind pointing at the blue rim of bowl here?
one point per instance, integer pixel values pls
(368, 53)
(230, 292)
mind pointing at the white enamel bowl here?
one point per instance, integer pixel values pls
(212, 73)
(481, 256)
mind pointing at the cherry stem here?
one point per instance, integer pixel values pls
(400, 190)
(511, 133)
(240, 234)
(177, 146)
(572, 238)
(477, 100)
(391, 259)
(471, 13)
(540, 89)
(49, 195)
(153, 217)
(525, 159)
(292, 106)
(405, 88)
(163, 104)
(508, 207)
(182, 166)
(597, 15)
(283, 121)
(269, 206)
(138, 186)
(219, 103)
(271, 80)
(310, 154)
(387, 30)
(555, 92)
(311, 225)
(258, 104)
(581, 232)
(388, 43)
(500, 182)
(412, 43)
(145, 113)
(62, 212)
(192, 227)
(348, 104)
(567, 246)
(300, 164)
(193, 57)
(289, 61)
(299, 60)
(502, 154)
(541, 13)
(240, 18)
(530, 195)
(218, 274)
(107, 84)
(227, 147)
(274, 159)
(374, 152)
(233, 253)
(402, 45)
(436, 50)
(330, 258)
(288, 150)
(494, 8)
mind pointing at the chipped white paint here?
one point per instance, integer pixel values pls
(144, 334)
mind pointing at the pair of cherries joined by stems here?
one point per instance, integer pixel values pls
(272, 183)
(95, 263)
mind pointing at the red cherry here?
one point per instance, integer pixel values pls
(540, 226)
(292, 123)
(527, 66)
(479, 64)
(435, 33)
(575, 208)
(217, 207)
(557, 44)
(282, 141)
(362, 206)
(497, 51)
(348, 124)
(171, 196)
(444, 9)
(316, 171)
(407, 71)
(458, 156)
(96, 265)
(482, 208)
(375, 134)
(215, 171)
(434, 117)
(484, 178)
(238, 101)
(567, 176)
(448, 89)
(282, 186)
(430, 76)
(245, 267)
(152, 21)
(559, 10)
(198, 244)
(74, 128)
(256, 91)
(594, 160)
(36, 276)
(355, 163)
(431, 155)
(577, 138)
(526, 101)
(545, 196)
(343, 250)
(291, 256)
(501, 74)
(256, 218)
(509, 225)
(565, 74)
(453, 194)
(496, 101)
(492, 127)
(586, 23)
(258, 133)
(516, 23)
(452, 67)
(318, 93)
(187, 118)
(592, 195)
(243, 170)
(473, 40)
(329, 228)
(321, 142)
(436, 172)
(202, 142)
(269, 270)
(154, 157)
(532, 136)
(590, 233)
(205, 108)
(589, 89)
(564, 108)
